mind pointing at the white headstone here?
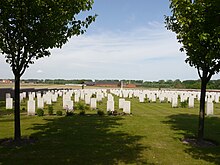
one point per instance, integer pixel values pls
(209, 108)
(127, 107)
(110, 106)
(40, 103)
(31, 107)
(121, 103)
(191, 102)
(174, 102)
(9, 103)
(141, 98)
(93, 103)
(76, 97)
(69, 105)
(87, 99)
(8, 95)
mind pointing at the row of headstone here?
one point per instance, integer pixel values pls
(88, 97)
(171, 96)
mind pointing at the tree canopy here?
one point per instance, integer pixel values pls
(197, 26)
(28, 29)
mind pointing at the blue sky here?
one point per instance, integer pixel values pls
(128, 40)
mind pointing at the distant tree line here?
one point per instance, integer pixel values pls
(177, 84)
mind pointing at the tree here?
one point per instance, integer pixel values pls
(29, 28)
(197, 25)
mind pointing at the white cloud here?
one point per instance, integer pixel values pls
(148, 53)
(39, 71)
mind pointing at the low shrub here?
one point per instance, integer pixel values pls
(59, 113)
(80, 106)
(183, 104)
(87, 107)
(50, 110)
(40, 112)
(82, 112)
(93, 96)
(109, 112)
(114, 113)
(69, 113)
(100, 113)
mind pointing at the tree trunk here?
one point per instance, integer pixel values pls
(202, 110)
(17, 127)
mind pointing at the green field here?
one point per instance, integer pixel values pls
(151, 135)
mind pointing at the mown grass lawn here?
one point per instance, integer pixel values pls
(151, 135)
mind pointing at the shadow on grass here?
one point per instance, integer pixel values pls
(78, 140)
(186, 125)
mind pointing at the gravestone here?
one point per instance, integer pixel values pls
(9, 103)
(121, 103)
(110, 106)
(174, 101)
(68, 105)
(209, 108)
(93, 103)
(31, 107)
(153, 98)
(76, 97)
(40, 103)
(87, 99)
(127, 107)
(8, 95)
(191, 102)
(141, 98)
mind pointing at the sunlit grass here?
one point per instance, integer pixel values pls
(152, 134)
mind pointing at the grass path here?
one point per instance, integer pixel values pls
(151, 135)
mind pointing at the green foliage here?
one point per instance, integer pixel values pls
(87, 107)
(197, 25)
(138, 134)
(59, 113)
(100, 112)
(93, 96)
(29, 29)
(50, 110)
(69, 113)
(183, 104)
(114, 113)
(40, 112)
(82, 112)
(79, 106)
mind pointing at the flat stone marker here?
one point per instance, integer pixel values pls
(31, 107)
(9, 103)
